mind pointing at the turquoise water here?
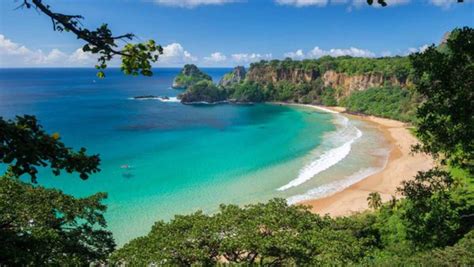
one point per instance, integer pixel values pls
(182, 157)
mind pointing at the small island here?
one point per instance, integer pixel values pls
(189, 76)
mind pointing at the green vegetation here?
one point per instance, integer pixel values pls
(302, 81)
(40, 226)
(24, 146)
(246, 92)
(431, 217)
(190, 75)
(271, 234)
(446, 116)
(399, 67)
(203, 91)
(389, 102)
(328, 97)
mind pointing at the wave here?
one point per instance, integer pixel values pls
(334, 187)
(330, 157)
(172, 99)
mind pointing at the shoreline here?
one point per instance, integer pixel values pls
(401, 165)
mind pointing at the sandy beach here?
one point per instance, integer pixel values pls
(402, 165)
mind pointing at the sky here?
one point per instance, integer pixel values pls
(226, 33)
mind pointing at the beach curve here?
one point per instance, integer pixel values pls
(401, 165)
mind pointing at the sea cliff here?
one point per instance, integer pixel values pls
(356, 83)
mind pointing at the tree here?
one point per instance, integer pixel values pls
(434, 213)
(136, 58)
(374, 200)
(273, 234)
(24, 145)
(40, 226)
(445, 80)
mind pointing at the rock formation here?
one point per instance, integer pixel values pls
(236, 76)
(189, 75)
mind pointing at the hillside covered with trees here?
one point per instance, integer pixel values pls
(383, 85)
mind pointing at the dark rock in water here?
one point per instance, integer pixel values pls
(188, 76)
(203, 92)
(145, 97)
(236, 76)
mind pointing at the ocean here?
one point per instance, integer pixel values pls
(183, 158)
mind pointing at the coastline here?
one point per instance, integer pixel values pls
(402, 165)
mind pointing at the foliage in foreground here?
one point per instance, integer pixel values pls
(25, 146)
(445, 78)
(271, 233)
(40, 226)
(433, 215)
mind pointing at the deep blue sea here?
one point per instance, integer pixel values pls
(183, 158)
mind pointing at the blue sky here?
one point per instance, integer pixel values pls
(233, 32)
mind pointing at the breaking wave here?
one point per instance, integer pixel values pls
(347, 134)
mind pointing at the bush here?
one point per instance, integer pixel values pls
(389, 102)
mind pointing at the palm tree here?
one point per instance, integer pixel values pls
(374, 200)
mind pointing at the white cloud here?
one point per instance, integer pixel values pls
(298, 54)
(216, 57)
(443, 3)
(7, 47)
(415, 50)
(81, 57)
(16, 55)
(192, 3)
(175, 54)
(317, 52)
(303, 3)
(350, 3)
(249, 58)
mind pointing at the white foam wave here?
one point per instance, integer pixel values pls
(330, 157)
(172, 99)
(333, 187)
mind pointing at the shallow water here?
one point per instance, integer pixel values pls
(184, 157)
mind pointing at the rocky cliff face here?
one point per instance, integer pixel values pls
(236, 76)
(343, 82)
(349, 84)
(268, 74)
